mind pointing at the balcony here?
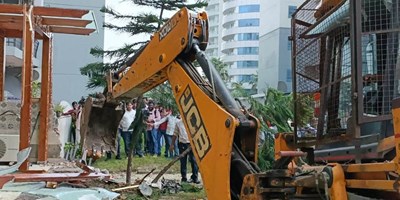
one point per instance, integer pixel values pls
(236, 44)
(213, 2)
(213, 11)
(242, 71)
(233, 57)
(14, 56)
(228, 34)
(212, 45)
(229, 5)
(229, 19)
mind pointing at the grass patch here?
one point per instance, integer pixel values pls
(145, 164)
(142, 164)
(188, 195)
(186, 187)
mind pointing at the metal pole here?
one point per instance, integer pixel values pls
(356, 71)
(294, 78)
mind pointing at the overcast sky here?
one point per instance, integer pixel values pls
(114, 39)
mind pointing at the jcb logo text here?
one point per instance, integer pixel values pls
(195, 123)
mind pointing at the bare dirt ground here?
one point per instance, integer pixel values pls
(168, 187)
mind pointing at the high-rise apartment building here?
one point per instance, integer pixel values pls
(234, 26)
(275, 48)
(214, 10)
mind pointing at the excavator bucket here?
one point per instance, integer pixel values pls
(100, 124)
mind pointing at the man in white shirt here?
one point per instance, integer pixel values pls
(124, 128)
(171, 123)
(183, 144)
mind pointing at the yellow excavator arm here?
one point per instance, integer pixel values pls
(222, 136)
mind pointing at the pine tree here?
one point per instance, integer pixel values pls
(142, 23)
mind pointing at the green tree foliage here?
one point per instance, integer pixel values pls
(163, 94)
(36, 86)
(222, 69)
(277, 109)
(239, 91)
(138, 24)
(266, 152)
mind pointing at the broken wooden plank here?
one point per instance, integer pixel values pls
(65, 22)
(59, 12)
(70, 30)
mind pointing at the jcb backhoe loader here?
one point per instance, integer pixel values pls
(224, 136)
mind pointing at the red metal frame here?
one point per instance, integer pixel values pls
(2, 67)
(45, 99)
(26, 97)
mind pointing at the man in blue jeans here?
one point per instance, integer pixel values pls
(153, 135)
(170, 121)
(184, 143)
(124, 129)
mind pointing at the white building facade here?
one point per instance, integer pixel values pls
(234, 37)
(214, 10)
(275, 46)
(71, 52)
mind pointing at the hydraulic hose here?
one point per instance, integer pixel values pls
(222, 91)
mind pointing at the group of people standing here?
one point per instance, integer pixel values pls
(162, 127)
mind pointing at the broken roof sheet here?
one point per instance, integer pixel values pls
(61, 193)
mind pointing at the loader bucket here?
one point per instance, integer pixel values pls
(100, 125)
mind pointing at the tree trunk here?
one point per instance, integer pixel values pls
(137, 129)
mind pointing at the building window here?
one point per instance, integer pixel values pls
(247, 36)
(14, 42)
(288, 75)
(249, 8)
(245, 78)
(249, 22)
(247, 64)
(35, 48)
(212, 8)
(214, 30)
(213, 40)
(291, 10)
(289, 45)
(247, 50)
(250, 91)
(213, 20)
